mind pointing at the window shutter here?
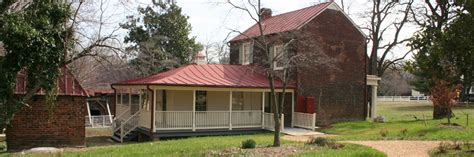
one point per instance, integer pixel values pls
(272, 56)
(241, 54)
(251, 53)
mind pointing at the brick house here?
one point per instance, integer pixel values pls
(43, 125)
(338, 94)
(200, 99)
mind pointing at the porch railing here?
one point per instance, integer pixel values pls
(101, 121)
(183, 120)
(305, 120)
(269, 123)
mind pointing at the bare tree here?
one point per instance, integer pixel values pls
(387, 19)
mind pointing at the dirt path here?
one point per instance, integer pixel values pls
(393, 148)
(401, 148)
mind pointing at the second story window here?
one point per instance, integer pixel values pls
(279, 57)
(246, 53)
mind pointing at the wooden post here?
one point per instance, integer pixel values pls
(194, 110)
(313, 125)
(263, 110)
(130, 100)
(230, 110)
(292, 109)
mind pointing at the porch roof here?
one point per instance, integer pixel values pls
(209, 75)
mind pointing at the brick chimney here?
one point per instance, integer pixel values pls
(265, 13)
(200, 58)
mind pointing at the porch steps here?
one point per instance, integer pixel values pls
(129, 137)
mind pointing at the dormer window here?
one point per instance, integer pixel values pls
(246, 53)
(279, 56)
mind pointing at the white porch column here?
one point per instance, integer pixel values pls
(292, 109)
(263, 110)
(153, 109)
(89, 113)
(230, 110)
(373, 101)
(108, 109)
(194, 110)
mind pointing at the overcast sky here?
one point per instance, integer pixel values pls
(211, 20)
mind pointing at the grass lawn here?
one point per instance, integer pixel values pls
(200, 146)
(401, 116)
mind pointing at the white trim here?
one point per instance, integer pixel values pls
(242, 55)
(334, 6)
(275, 65)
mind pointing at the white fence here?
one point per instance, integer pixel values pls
(99, 121)
(305, 120)
(403, 98)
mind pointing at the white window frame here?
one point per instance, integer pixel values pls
(275, 55)
(243, 60)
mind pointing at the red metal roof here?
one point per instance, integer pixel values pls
(209, 75)
(67, 84)
(284, 22)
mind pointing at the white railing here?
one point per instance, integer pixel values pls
(129, 125)
(118, 120)
(171, 120)
(212, 119)
(101, 121)
(305, 120)
(183, 120)
(242, 119)
(269, 123)
(403, 98)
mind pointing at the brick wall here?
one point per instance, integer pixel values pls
(39, 127)
(338, 87)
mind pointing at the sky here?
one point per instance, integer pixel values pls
(212, 20)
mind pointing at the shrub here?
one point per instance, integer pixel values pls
(403, 133)
(319, 141)
(323, 142)
(383, 132)
(249, 144)
(443, 147)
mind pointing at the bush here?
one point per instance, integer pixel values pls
(383, 132)
(443, 147)
(323, 142)
(319, 141)
(249, 144)
(403, 133)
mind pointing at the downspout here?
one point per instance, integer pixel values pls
(152, 112)
(115, 104)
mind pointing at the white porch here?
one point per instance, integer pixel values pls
(164, 109)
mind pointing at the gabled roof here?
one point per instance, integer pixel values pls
(67, 84)
(209, 75)
(284, 22)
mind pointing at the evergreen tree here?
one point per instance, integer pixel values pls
(160, 38)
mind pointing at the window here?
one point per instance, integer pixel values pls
(201, 101)
(246, 53)
(237, 101)
(471, 91)
(279, 57)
